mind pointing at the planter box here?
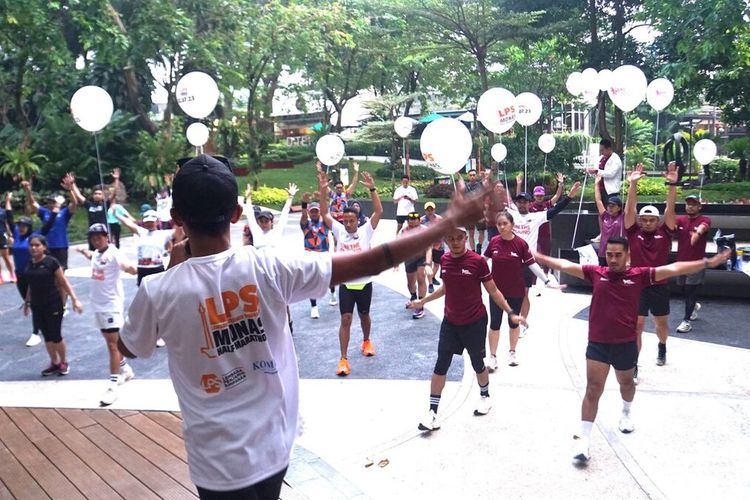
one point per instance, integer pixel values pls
(240, 171)
(279, 164)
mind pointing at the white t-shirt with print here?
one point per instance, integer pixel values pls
(164, 207)
(107, 293)
(353, 242)
(404, 207)
(231, 356)
(151, 247)
(527, 226)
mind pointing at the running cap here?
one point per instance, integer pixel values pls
(313, 206)
(205, 190)
(524, 196)
(539, 191)
(615, 200)
(145, 208)
(429, 204)
(98, 228)
(150, 216)
(264, 213)
(693, 197)
(649, 210)
(25, 220)
(463, 229)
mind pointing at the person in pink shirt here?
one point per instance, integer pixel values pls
(610, 219)
(613, 319)
(464, 325)
(692, 235)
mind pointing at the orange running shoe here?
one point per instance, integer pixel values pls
(343, 369)
(367, 348)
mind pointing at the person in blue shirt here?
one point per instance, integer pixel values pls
(5, 235)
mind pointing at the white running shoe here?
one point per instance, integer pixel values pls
(126, 374)
(429, 422)
(160, 342)
(697, 308)
(314, 313)
(34, 339)
(685, 326)
(109, 396)
(491, 363)
(484, 406)
(582, 454)
(333, 301)
(512, 360)
(626, 425)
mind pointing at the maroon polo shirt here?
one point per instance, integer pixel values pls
(686, 226)
(649, 249)
(462, 278)
(509, 257)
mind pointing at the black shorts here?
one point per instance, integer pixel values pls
(3, 240)
(621, 356)
(437, 255)
(48, 319)
(400, 219)
(147, 271)
(455, 338)
(412, 265)
(267, 488)
(529, 278)
(61, 254)
(348, 298)
(496, 314)
(655, 299)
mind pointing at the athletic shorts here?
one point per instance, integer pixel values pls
(49, 321)
(692, 279)
(111, 320)
(147, 271)
(400, 219)
(529, 278)
(496, 314)
(61, 254)
(412, 265)
(437, 254)
(654, 299)
(622, 356)
(348, 297)
(455, 338)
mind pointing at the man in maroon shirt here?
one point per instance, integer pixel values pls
(613, 316)
(650, 243)
(692, 235)
(464, 323)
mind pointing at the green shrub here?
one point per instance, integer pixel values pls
(269, 196)
(724, 169)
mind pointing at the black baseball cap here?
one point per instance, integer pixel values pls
(614, 200)
(524, 196)
(205, 190)
(25, 220)
(264, 213)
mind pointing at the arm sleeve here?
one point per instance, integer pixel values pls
(141, 330)
(559, 207)
(484, 271)
(534, 267)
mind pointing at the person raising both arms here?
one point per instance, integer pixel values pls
(404, 197)
(338, 199)
(610, 219)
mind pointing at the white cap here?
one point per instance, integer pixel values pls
(649, 210)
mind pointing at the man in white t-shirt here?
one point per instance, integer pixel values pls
(152, 244)
(222, 314)
(164, 207)
(350, 237)
(107, 301)
(610, 170)
(404, 196)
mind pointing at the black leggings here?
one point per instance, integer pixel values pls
(48, 319)
(115, 229)
(23, 286)
(691, 293)
(268, 489)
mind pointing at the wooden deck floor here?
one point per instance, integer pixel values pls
(72, 454)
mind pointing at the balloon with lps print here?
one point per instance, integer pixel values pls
(499, 152)
(496, 110)
(660, 93)
(403, 126)
(627, 87)
(574, 83)
(197, 94)
(91, 107)
(197, 134)
(704, 151)
(604, 78)
(446, 145)
(546, 143)
(528, 108)
(329, 149)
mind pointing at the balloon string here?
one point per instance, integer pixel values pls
(101, 178)
(580, 203)
(526, 159)
(656, 139)
(544, 173)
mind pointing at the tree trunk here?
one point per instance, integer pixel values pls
(23, 120)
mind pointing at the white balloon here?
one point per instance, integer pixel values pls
(604, 78)
(446, 145)
(197, 134)
(403, 126)
(574, 83)
(589, 74)
(528, 108)
(627, 87)
(499, 152)
(496, 110)
(546, 142)
(704, 151)
(197, 94)
(660, 93)
(329, 149)
(91, 107)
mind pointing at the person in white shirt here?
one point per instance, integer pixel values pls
(262, 228)
(107, 301)
(231, 356)
(164, 207)
(610, 170)
(404, 196)
(152, 244)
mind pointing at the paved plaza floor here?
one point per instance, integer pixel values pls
(692, 438)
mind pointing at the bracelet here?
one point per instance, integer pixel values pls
(304, 205)
(372, 190)
(388, 255)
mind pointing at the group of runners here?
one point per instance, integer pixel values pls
(240, 335)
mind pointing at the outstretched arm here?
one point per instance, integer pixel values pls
(563, 265)
(560, 178)
(680, 268)
(598, 196)
(519, 184)
(670, 218)
(560, 205)
(377, 206)
(31, 202)
(632, 200)
(284, 217)
(323, 195)
(353, 185)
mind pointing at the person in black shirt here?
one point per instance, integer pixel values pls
(44, 300)
(97, 206)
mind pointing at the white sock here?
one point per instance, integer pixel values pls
(626, 407)
(586, 429)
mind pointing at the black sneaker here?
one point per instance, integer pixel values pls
(63, 369)
(479, 248)
(661, 358)
(435, 282)
(50, 370)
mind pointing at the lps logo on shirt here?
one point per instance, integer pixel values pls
(213, 383)
(236, 325)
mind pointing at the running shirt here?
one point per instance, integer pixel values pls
(527, 225)
(649, 249)
(107, 293)
(337, 203)
(509, 257)
(614, 302)
(164, 207)
(686, 226)
(439, 244)
(610, 226)
(404, 207)
(58, 235)
(151, 247)
(41, 279)
(545, 233)
(353, 242)
(114, 211)
(96, 212)
(231, 355)
(462, 277)
(315, 235)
